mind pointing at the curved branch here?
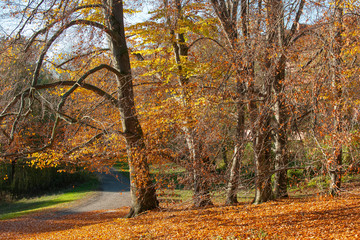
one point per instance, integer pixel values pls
(74, 84)
(28, 18)
(21, 108)
(86, 86)
(207, 38)
(83, 77)
(80, 56)
(57, 34)
(91, 140)
(12, 103)
(45, 29)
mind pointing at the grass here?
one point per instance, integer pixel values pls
(172, 191)
(26, 206)
(123, 167)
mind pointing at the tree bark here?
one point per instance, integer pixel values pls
(233, 183)
(280, 138)
(262, 150)
(276, 38)
(336, 161)
(142, 189)
(275, 71)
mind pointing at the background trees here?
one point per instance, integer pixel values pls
(107, 18)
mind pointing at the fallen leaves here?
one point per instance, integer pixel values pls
(303, 218)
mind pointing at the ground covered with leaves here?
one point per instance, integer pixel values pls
(317, 217)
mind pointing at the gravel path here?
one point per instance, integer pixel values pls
(114, 193)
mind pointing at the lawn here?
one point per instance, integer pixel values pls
(26, 206)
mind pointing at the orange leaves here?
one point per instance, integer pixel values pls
(306, 218)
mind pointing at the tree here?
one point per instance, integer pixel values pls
(175, 33)
(335, 165)
(107, 17)
(227, 14)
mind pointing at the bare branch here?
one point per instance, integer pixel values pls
(295, 24)
(56, 35)
(11, 104)
(207, 38)
(21, 108)
(91, 140)
(49, 26)
(80, 56)
(87, 86)
(83, 77)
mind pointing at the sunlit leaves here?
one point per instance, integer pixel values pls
(318, 218)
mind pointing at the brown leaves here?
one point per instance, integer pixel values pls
(303, 218)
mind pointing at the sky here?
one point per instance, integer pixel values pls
(9, 25)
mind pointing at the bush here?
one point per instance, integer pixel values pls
(295, 176)
(321, 182)
(22, 180)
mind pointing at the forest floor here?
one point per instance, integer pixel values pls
(316, 217)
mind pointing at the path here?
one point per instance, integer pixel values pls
(114, 193)
(105, 205)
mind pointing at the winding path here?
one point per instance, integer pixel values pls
(114, 193)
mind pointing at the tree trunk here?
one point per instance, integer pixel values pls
(262, 150)
(142, 190)
(336, 161)
(281, 161)
(201, 196)
(227, 14)
(234, 178)
(13, 168)
(275, 67)
(199, 163)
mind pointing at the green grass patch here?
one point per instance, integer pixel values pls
(174, 196)
(123, 167)
(26, 206)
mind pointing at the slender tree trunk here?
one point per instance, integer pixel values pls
(259, 112)
(233, 183)
(200, 168)
(201, 183)
(13, 167)
(227, 14)
(336, 163)
(199, 162)
(142, 189)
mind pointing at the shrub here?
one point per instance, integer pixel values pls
(22, 180)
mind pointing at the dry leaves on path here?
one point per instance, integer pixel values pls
(316, 218)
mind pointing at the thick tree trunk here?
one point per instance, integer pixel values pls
(275, 67)
(201, 196)
(280, 142)
(262, 150)
(142, 190)
(335, 165)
